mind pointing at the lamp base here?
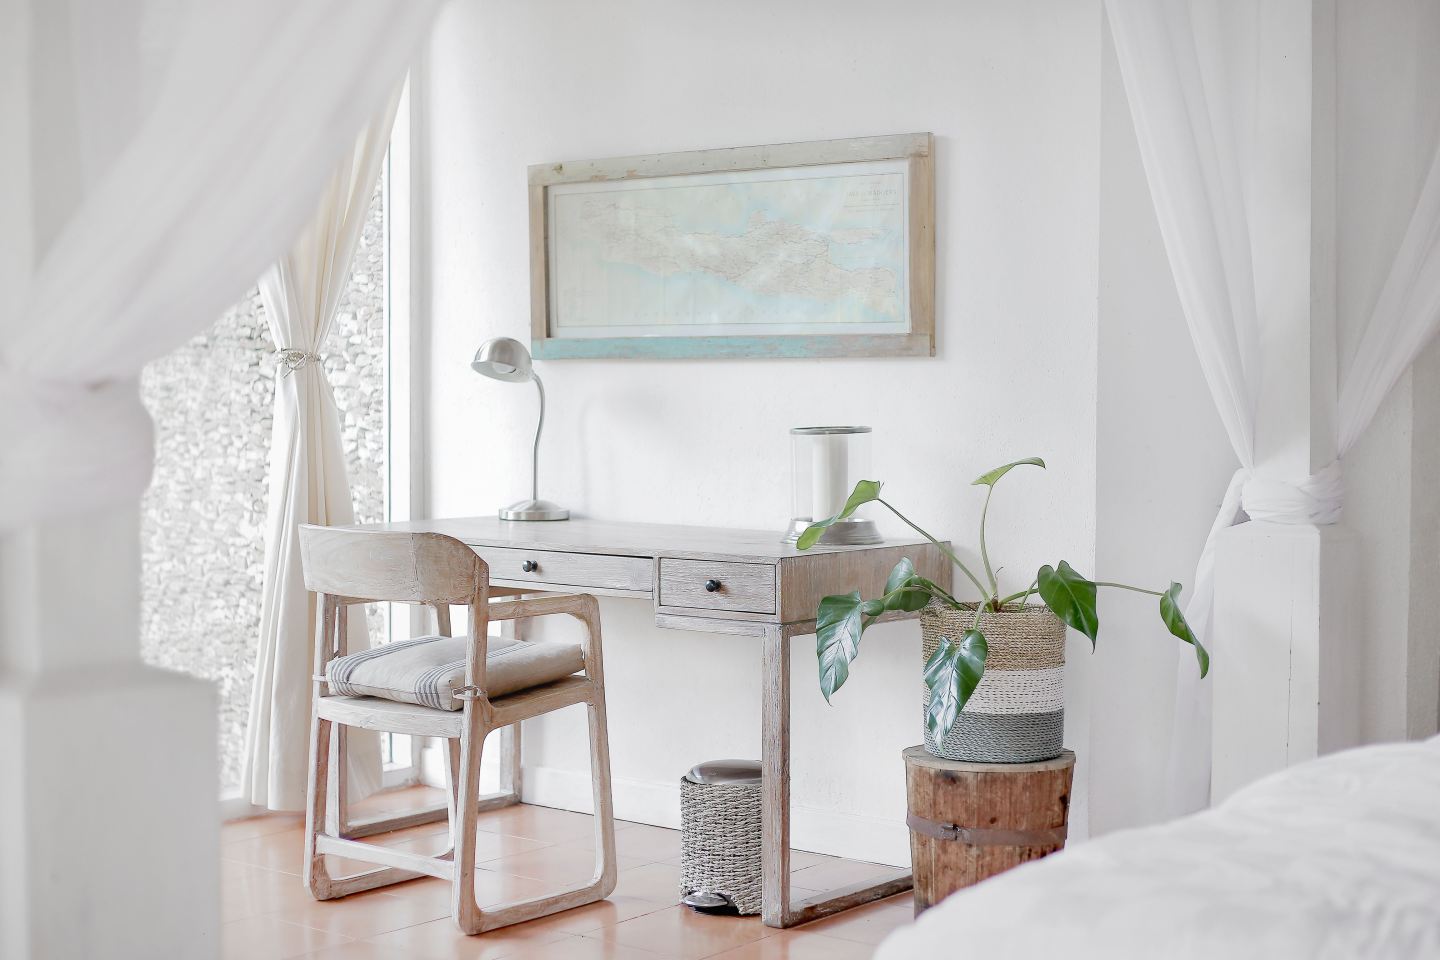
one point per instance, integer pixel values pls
(852, 531)
(534, 510)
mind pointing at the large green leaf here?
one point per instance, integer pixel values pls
(864, 492)
(902, 571)
(952, 674)
(1071, 597)
(916, 593)
(905, 591)
(1174, 618)
(989, 479)
(837, 638)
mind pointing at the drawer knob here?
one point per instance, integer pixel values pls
(712, 585)
(529, 566)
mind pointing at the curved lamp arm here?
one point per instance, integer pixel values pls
(535, 455)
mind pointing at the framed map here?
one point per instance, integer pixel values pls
(820, 249)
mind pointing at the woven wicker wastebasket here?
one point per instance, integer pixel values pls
(720, 836)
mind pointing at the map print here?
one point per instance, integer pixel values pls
(814, 250)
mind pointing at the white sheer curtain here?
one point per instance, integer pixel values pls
(1192, 165)
(1405, 317)
(205, 144)
(1191, 143)
(308, 484)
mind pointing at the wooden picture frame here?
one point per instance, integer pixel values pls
(893, 316)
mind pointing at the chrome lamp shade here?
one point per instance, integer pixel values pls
(507, 360)
(503, 359)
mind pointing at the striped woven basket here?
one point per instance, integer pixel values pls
(1017, 712)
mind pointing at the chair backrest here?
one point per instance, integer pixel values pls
(385, 566)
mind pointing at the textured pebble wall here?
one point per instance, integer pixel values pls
(203, 523)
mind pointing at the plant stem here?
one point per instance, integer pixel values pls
(1126, 586)
(1022, 596)
(952, 601)
(984, 594)
(984, 553)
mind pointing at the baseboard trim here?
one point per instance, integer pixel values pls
(643, 801)
(236, 807)
(831, 832)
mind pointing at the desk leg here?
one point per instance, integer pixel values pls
(776, 908)
(775, 778)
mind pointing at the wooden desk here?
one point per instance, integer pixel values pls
(735, 582)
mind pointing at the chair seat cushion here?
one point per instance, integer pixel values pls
(428, 670)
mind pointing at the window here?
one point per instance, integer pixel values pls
(203, 519)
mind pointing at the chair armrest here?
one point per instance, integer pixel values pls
(581, 606)
(578, 605)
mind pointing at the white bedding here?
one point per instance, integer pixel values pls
(1336, 858)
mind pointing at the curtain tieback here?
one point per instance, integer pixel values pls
(1317, 498)
(292, 359)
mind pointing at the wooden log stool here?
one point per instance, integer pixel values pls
(970, 821)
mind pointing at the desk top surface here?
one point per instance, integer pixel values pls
(620, 538)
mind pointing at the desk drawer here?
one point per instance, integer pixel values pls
(745, 587)
(567, 569)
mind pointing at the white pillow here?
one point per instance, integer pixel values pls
(428, 670)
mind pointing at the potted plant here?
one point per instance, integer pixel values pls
(993, 668)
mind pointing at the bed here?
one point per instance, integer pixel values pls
(1335, 858)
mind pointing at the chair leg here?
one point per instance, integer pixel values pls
(605, 869)
(602, 884)
(452, 785)
(511, 769)
(317, 877)
(463, 908)
(468, 916)
(337, 782)
(319, 810)
(362, 827)
(509, 793)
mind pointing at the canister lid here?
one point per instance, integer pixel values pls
(826, 431)
(725, 771)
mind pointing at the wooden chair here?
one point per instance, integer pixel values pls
(348, 567)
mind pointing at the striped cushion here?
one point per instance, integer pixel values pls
(428, 670)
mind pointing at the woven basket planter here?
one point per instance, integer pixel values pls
(1017, 712)
(720, 841)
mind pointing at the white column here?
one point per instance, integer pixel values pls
(1282, 692)
(109, 820)
(1289, 686)
(108, 801)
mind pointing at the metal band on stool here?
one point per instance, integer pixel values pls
(981, 837)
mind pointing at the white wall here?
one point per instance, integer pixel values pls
(1012, 93)
(1389, 125)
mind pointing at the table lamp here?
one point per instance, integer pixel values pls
(506, 359)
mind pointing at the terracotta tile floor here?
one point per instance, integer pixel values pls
(523, 851)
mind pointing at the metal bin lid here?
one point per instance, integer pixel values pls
(725, 771)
